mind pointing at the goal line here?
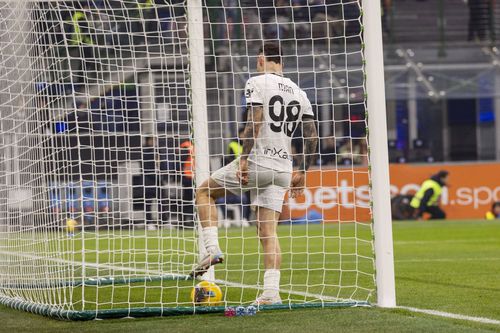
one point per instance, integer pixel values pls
(153, 276)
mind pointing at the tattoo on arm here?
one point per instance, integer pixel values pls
(310, 143)
(252, 128)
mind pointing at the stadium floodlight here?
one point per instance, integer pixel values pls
(112, 113)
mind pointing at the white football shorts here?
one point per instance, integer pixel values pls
(267, 187)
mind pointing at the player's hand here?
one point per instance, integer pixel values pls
(297, 184)
(242, 173)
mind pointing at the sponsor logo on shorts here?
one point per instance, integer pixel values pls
(280, 153)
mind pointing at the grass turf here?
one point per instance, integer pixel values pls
(329, 260)
(450, 266)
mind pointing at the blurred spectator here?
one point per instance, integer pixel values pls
(352, 152)
(386, 15)
(224, 17)
(145, 10)
(103, 197)
(362, 157)
(351, 13)
(164, 22)
(479, 17)
(233, 18)
(80, 43)
(326, 21)
(251, 25)
(301, 19)
(328, 151)
(152, 182)
(278, 24)
(88, 202)
(426, 200)
(494, 213)
(234, 150)
(187, 169)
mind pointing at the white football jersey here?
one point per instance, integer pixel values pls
(284, 105)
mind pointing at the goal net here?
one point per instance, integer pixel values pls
(100, 125)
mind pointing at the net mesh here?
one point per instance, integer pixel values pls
(96, 153)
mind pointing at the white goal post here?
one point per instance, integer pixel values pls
(377, 127)
(113, 112)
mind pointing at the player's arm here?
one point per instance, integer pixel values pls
(252, 129)
(251, 132)
(310, 135)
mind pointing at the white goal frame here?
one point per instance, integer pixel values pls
(372, 68)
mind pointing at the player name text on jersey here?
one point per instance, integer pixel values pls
(285, 88)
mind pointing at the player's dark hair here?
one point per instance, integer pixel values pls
(272, 52)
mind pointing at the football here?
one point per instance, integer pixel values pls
(206, 293)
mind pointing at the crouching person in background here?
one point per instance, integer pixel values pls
(426, 200)
(494, 213)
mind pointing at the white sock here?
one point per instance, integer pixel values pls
(211, 239)
(271, 283)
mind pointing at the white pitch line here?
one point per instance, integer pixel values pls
(88, 264)
(452, 315)
(448, 241)
(159, 273)
(448, 259)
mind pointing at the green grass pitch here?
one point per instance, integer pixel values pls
(321, 262)
(451, 266)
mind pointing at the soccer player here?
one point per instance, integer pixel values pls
(276, 107)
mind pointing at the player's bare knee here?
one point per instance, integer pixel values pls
(265, 232)
(266, 228)
(202, 194)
